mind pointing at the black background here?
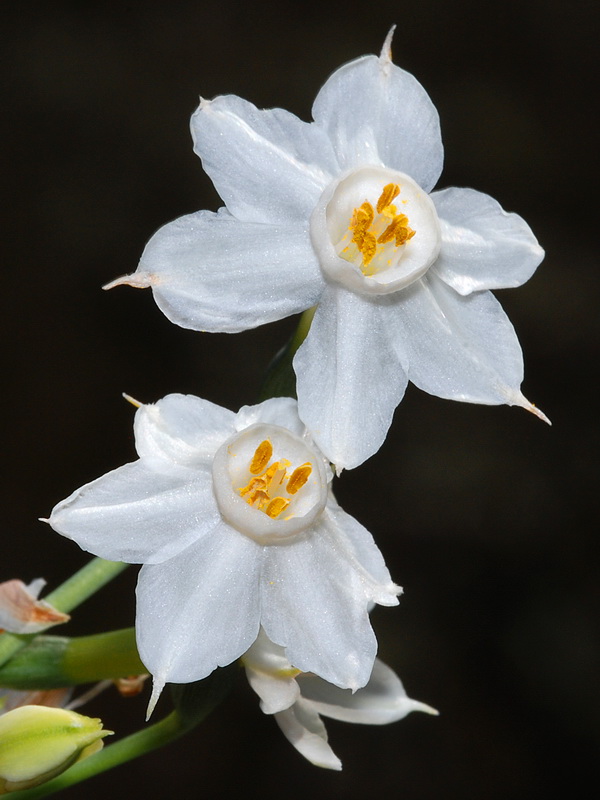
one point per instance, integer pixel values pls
(484, 514)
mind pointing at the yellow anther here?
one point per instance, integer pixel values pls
(276, 506)
(362, 219)
(372, 229)
(298, 478)
(389, 193)
(403, 235)
(258, 492)
(368, 248)
(255, 486)
(397, 230)
(262, 456)
(363, 216)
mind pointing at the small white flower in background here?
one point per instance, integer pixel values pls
(337, 212)
(298, 700)
(22, 612)
(233, 517)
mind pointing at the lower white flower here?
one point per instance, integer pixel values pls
(298, 700)
(233, 517)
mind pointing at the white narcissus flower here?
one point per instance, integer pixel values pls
(298, 701)
(233, 517)
(337, 213)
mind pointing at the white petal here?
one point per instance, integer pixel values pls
(183, 429)
(211, 272)
(461, 348)
(382, 700)
(268, 166)
(315, 606)
(376, 113)
(483, 247)
(356, 546)
(139, 514)
(303, 728)
(199, 610)
(349, 379)
(276, 693)
(271, 675)
(282, 411)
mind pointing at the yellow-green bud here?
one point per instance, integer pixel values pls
(37, 743)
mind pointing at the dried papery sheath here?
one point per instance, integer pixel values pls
(22, 612)
(340, 213)
(233, 517)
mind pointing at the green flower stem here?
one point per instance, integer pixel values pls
(74, 591)
(193, 703)
(84, 583)
(280, 380)
(51, 662)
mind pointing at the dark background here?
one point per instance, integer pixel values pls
(484, 514)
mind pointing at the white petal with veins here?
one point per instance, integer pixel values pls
(268, 166)
(483, 247)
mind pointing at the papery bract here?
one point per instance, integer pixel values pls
(337, 212)
(233, 517)
(22, 612)
(298, 700)
(14, 698)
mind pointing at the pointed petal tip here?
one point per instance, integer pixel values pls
(539, 414)
(137, 280)
(158, 684)
(44, 519)
(533, 409)
(331, 761)
(416, 705)
(132, 400)
(386, 51)
(387, 595)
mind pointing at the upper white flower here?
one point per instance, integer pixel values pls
(337, 212)
(233, 517)
(298, 700)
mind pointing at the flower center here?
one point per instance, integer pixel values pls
(375, 231)
(269, 483)
(373, 236)
(272, 490)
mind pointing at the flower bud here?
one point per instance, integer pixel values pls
(37, 743)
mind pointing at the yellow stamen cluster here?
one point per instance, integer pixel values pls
(372, 231)
(265, 491)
